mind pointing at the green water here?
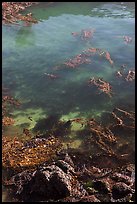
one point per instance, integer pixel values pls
(30, 51)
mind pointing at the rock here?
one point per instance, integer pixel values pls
(90, 198)
(101, 186)
(48, 182)
(52, 183)
(125, 199)
(65, 167)
(122, 178)
(120, 190)
(105, 198)
(65, 157)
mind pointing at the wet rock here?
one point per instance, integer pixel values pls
(65, 157)
(65, 167)
(125, 199)
(122, 178)
(121, 190)
(105, 198)
(90, 198)
(48, 182)
(52, 181)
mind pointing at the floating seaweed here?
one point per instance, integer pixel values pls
(51, 76)
(130, 76)
(92, 51)
(107, 56)
(76, 61)
(11, 15)
(127, 39)
(101, 85)
(83, 58)
(84, 34)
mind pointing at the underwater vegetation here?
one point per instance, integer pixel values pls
(42, 164)
(52, 126)
(19, 155)
(7, 101)
(11, 12)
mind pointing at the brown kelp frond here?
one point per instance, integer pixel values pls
(123, 118)
(102, 136)
(7, 101)
(11, 12)
(84, 34)
(129, 77)
(77, 60)
(102, 85)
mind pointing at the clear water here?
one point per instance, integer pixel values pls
(30, 51)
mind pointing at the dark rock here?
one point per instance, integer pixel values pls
(68, 159)
(63, 155)
(20, 180)
(105, 198)
(49, 182)
(125, 199)
(121, 178)
(101, 186)
(65, 167)
(121, 190)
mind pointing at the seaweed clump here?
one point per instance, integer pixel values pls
(11, 12)
(7, 101)
(18, 155)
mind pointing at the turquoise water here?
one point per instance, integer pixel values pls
(30, 51)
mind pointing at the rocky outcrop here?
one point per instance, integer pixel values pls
(55, 181)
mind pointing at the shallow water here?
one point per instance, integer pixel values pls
(30, 51)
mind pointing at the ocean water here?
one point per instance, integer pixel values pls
(30, 51)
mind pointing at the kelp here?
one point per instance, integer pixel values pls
(77, 60)
(102, 136)
(105, 136)
(123, 118)
(6, 121)
(102, 85)
(92, 51)
(130, 76)
(51, 76)
(84, 34)
(85, 58)
(7, 103)
(127, 39)
(19, 155)
(11, 12)
(127, 76)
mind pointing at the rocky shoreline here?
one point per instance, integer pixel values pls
(60, 181)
